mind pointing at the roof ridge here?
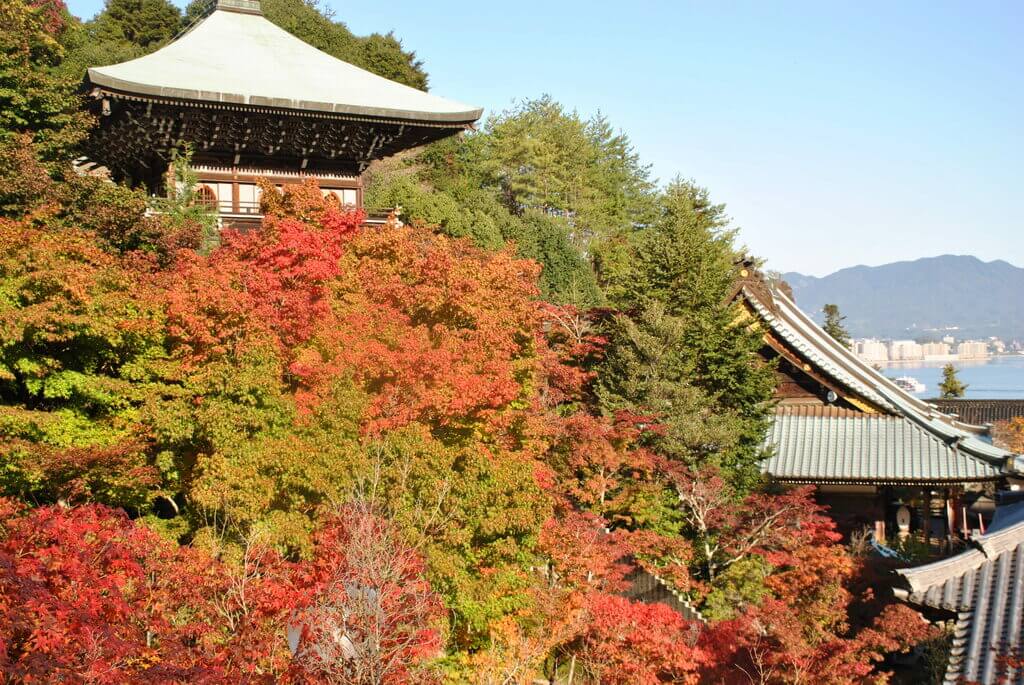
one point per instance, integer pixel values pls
(234, 55)
(799, 331)
(985, 548)
(995, 543)
(243, 6)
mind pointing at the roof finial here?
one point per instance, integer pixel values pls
(243, 6)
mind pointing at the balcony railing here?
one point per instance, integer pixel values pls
(225, 207)
(375, 216)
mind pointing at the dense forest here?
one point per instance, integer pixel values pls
(435, 451)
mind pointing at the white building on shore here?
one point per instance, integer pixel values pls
(972, 349)
(905, 350)
(937, 352)
(875, 351)
(871, 350)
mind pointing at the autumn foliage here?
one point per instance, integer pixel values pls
(1010, 434)
(326, 453)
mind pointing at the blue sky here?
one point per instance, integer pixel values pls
(836, 133)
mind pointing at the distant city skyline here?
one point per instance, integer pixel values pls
(837, 135)
(949, 349)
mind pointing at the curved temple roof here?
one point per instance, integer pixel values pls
(236, 56)
(786, 322)
(984, 587)
(814, 444)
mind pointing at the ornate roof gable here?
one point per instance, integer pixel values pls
(946, 449)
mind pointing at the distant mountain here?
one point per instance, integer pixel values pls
(921, 298)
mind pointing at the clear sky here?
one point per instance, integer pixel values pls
(837, 133)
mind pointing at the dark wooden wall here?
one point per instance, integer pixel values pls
(980, 412)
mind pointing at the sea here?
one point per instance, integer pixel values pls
(997, 378)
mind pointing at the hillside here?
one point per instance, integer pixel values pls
(919, 298)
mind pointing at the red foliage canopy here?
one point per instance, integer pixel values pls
(88, 596)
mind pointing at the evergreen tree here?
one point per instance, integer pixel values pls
(683, 354)
(146, 24)
(545, 158)
(834, 324)
(652, 366)
(180, 207)
(449, 185)
(951, 387)
(122, 31)
(314, 23)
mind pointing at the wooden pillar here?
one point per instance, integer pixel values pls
(960, 514)
(928, 519)
(169, 189)
(950, 517)
(880, 502)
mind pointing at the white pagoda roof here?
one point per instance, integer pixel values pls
(236, 56)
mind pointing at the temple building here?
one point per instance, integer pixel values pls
(881, 458)
(254, 101)
(981, 594)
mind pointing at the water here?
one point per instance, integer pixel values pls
(997, 378)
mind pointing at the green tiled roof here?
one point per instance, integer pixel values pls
(909, 440)
(827, 444)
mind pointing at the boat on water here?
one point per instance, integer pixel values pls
(910, 384)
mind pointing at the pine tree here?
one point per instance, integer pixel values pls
(545, 158)
(951, 387)
(147, 24)
(681, 353)
(834, 324)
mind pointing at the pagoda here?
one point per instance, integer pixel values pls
(254, 101)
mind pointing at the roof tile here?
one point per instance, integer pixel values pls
(830, 444)
(985, 588)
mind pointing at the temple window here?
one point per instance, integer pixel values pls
(347, 197)
(225, 200)
(249, 198)
(206, 196)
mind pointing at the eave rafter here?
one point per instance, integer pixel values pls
(806, 367)
(136, 136)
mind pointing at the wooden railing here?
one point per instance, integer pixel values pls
(375, 216)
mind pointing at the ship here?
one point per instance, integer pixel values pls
(910, 384)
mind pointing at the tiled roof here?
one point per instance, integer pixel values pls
(828, 444)
(984, 587)
(649, 588)
(810, 342)
(800, 333)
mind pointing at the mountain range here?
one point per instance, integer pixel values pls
(926, 298)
